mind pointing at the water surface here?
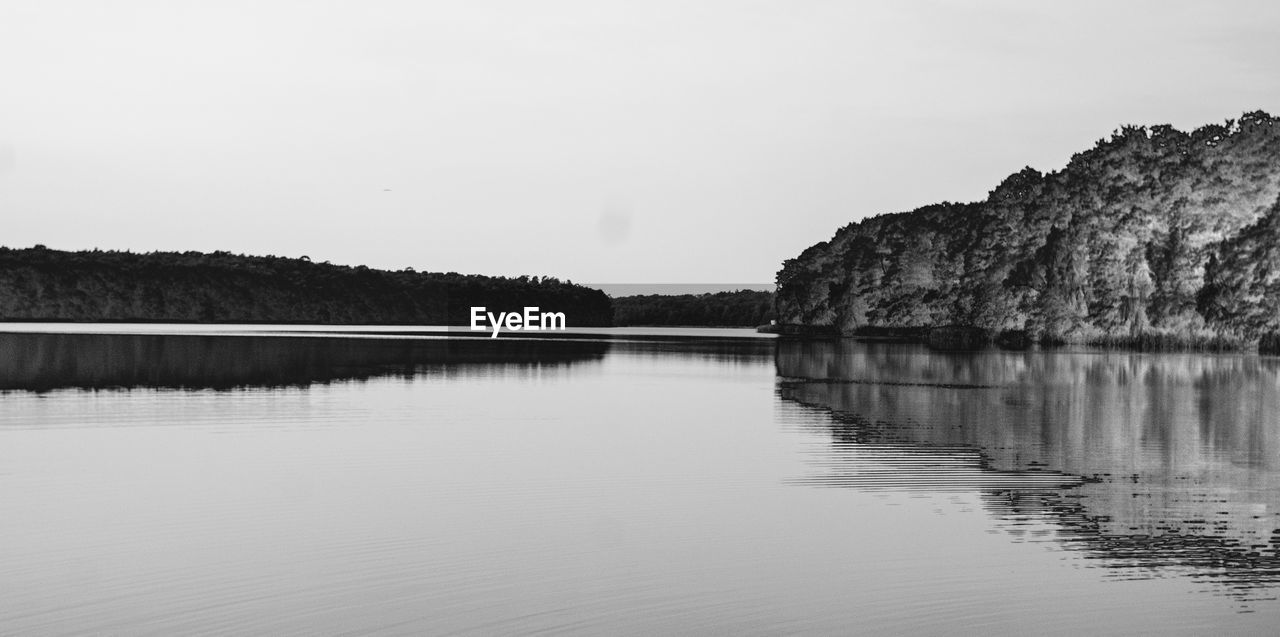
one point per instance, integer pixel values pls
(270, 484)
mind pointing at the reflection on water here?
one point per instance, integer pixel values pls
(42, 362)
(857, 460)
(266, 484)
(1177, 454)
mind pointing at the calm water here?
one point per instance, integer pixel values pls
(269, 484)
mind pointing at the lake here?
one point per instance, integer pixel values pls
(170, 480)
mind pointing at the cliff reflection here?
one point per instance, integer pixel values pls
(1179, 455)
(43, 362)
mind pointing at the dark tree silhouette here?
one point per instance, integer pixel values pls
(43, 284)
(744, 308)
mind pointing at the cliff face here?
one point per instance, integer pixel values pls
(1152, 230)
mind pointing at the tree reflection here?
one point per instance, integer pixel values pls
(1177, 456)
(43, 362)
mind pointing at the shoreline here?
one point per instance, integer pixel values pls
(968, 338)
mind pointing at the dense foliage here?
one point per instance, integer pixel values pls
(43, 284)
(744, 308)
(1152, 231)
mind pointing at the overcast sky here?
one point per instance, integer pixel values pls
(689, 141)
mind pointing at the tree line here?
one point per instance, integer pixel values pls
(40, 284)
(743, 308)
(220, 287)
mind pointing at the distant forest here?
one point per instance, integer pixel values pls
(42, 284)
(744, 308)
(39, 284)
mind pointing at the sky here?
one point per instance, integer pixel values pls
(595, 141)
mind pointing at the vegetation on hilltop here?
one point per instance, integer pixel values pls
(1154, 231)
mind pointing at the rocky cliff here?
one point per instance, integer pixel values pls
(1152, 231)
